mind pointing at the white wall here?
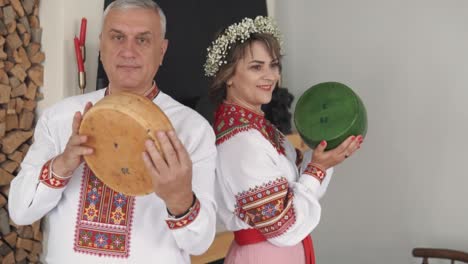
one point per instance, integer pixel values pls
(60, 21)
(408, 60)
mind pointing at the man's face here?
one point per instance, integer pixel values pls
(132, 48)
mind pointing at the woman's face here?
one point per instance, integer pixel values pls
(254, 78)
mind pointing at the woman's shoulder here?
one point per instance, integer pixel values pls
(231, 120)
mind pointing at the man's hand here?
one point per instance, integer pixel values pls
(172, 176)
(67, 162)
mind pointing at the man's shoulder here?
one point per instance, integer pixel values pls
(176, 111)
(73, 103)
(193, 129)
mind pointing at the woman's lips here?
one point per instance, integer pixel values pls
(265, 87)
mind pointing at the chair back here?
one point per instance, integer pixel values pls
(436, 253)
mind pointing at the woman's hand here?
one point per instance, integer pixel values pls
(327, 159)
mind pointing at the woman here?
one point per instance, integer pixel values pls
(266, 194)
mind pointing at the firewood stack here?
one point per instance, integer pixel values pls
(21, 74)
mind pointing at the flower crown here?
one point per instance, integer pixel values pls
(239, 31)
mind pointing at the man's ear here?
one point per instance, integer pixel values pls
(100, 46)
(164, 45)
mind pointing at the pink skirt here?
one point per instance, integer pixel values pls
(265, 252)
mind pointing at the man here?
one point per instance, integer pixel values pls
(87, 222)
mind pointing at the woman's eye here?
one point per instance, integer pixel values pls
(275, 65)
(256, 67)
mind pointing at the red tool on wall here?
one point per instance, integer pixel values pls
(80, 52)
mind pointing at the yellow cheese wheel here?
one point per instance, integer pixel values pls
(117, 127)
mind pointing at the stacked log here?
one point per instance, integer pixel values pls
(21, 74)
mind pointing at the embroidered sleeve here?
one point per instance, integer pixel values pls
(311, 171)
(261, 188)
(34, 192)
(51, 180)
(315, 171)
(176, 223)
(267, 208)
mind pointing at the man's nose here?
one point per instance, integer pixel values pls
(128, 49)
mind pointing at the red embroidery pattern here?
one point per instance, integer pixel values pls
(48, 179)
(315, 172)
(232, 119)
(104, 221)
(151, 94)
(187, 219)
(268, 208)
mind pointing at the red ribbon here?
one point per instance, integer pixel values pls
(309, 250)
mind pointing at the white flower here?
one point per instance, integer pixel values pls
(218, 50)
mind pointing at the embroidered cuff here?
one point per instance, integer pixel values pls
(315, 171)
(51, 179)
(176, 223)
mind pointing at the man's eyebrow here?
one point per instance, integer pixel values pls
(113, 30)
(146, 33)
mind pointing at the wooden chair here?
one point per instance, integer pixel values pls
(447, 254)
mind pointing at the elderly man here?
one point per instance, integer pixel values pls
(87, 222)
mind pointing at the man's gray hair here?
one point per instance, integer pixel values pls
(144, 4)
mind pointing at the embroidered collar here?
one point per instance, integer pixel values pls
(150, 94)
(231, 119)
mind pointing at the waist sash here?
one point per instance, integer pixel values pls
(252, 236)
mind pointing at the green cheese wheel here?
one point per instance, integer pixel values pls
(329, 111)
